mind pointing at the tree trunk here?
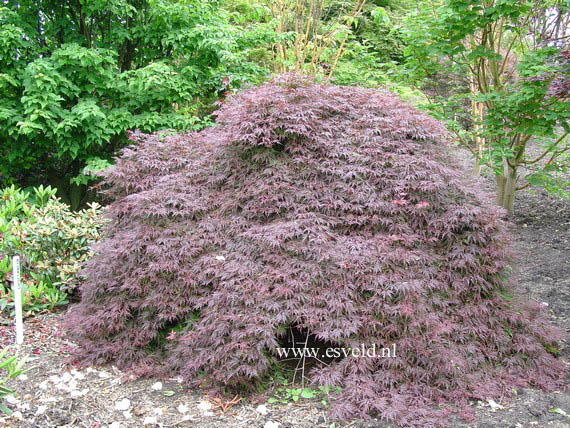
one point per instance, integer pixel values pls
(70, 193)
(506, 186)
(477, 111)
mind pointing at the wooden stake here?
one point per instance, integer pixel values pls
(17, 299)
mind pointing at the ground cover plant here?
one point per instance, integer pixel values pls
(328, 210)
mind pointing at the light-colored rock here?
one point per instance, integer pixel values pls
(262, 409)
(104, 375)
(11, 399)
(157, 386)
(123, 405)
(77, 374)
(75, 393)
(150, 420)
(494, 405)
(271, 424)
(182, 408)
(17, 415)
(205, 405)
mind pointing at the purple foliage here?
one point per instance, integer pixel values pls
(332, 208)
(560, 85)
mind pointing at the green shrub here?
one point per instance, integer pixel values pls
(12, 368)
(52, 240)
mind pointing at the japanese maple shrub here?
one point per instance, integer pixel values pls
(333, 209)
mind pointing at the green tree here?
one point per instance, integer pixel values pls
(75, 76)
(512, 71)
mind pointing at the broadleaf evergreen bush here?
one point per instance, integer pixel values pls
(53, 243)
(333, 209)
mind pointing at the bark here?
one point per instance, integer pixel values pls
(506, 186)
(477, 111)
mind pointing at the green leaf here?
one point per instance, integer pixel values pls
(5, 410)
(559, 411)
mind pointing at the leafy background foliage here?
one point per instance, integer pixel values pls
(75, 77)
(75, 81)
(330, 209)
(514, 55)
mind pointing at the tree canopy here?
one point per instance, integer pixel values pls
(76, 76)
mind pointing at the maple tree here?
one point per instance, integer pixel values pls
(334, 210)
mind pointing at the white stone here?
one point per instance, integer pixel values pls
(271, 424)
(41, 410)
(262, 409)
(66, 377)
(208, 413)
(182, 408)
(220, 258)
(157, 386)
(205, 405)
(123, 405)
(43, 385)
(150, 420)
(494, 405)
(11, 399)
(17, 415)
(115, 425)
(77, 375)
(158, 411)
(23, 377)
(127, 414)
